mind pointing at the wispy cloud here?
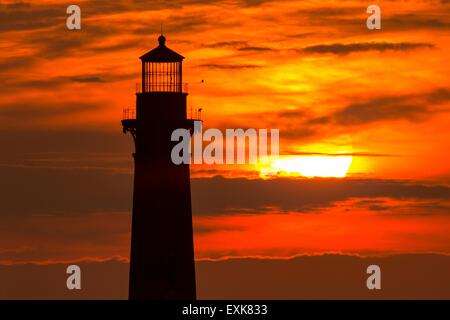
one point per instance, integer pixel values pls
(229, 66)
(220, 196)
(251, 48)
(347, 48)
(414, 107)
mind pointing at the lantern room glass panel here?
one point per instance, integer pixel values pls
(162, 77)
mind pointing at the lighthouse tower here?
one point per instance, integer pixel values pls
(162, 251)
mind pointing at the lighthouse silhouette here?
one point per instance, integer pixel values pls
(162, 250)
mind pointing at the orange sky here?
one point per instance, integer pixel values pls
(309, 68)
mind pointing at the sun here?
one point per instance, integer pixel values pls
(308, 166)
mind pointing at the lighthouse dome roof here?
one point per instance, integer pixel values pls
(161, 53)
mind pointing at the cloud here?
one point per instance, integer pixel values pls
(30, 161)
(47, 32)
(29, 16)
(15, 113)
(292, 123)
(218, 196)
(18, 16)
(345, 154)
(253, 3)
(372, 204)
(61, 236)
(347, 48)
(67, 171)
(28, 141)
(88, 79)
(400, 207)
(58, 42)
(412, 276)
(383, 109)
(63, 190)
(302, 124)
(250, 48)
(18, 63)
(100, 280)
(324, 277)
(411, 21)
(47, 83)
(229, 66)
(175, 24)
(329, 12)
(120, 45)
(224, 44)
(412, 107)
(301, 35)
(351, 20)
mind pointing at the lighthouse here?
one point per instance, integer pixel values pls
(162, 250)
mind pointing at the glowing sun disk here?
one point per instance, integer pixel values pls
(309, 166)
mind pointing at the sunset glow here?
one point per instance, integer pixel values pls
(309, 166)
(363, 118)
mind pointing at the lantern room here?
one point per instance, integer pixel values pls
(162, 69)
